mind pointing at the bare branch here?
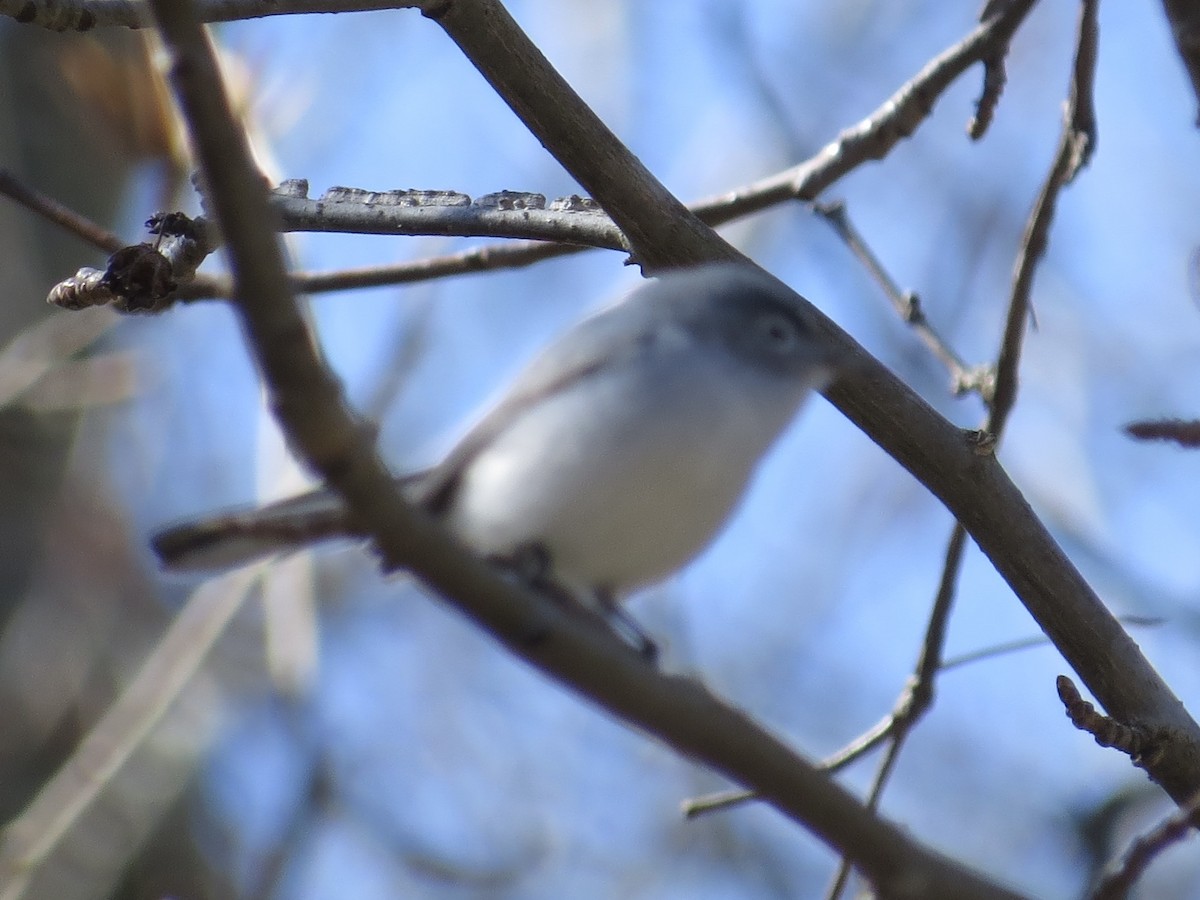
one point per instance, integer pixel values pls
(1117, 884)
(885, 728)
(1075, 146)
(1141, 744)
(523, 77)
(868, 140)
(1074, 149)
(1184, 16)
(84, 15)
(50, 209)
(477, 259)
(151, 278)
(874, 137)
(1031, 643)
(963, 378)
(917, 698)
(994, 76)
(570, 220)
(546, 634)
(1183, 432)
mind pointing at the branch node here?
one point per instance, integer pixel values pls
(981, 441)
(436, 9)
(142, 277)
(977, 379)
(139, 276)
(1144, 747)
(994, 79)
(910, 308)
(292, 187)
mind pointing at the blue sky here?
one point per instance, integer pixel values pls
(456, 771)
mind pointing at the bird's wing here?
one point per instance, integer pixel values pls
(607, 339)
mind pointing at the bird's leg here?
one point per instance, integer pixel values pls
(626, 625)
(531, 564)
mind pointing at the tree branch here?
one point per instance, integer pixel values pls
(84, 15)
(515, 214)
(308, 402)
(870, 139)
(1118, 883)
(61, 215)
(972, 485)
(1184, 18)
(585, 146)
(875, 136)
(1075, 147)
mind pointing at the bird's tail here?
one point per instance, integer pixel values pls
(234, 538)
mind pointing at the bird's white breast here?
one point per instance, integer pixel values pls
(626, 475)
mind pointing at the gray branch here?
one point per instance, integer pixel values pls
(505, 214)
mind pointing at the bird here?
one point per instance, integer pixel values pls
(613, 459)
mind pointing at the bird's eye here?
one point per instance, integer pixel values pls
(778, 332)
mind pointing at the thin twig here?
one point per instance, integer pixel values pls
(994, 78)
(721, 801)
(912, 705)
(1075, 146)
(874, 137)
(58, 213)
(1117, 884)
(1185, 433)
(1032, 643)
(918, 694)
(963, 378)
(870, 139)
(84, 15)
(466, 262)
(886, 767)
(883, 730)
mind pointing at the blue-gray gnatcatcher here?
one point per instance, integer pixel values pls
(614, 458)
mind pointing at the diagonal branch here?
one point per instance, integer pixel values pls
(963, 378)
(874, 137)
(1184, 18)
(513, 65)
(308, 402)
(1075, 147)
(1119, 881)
(61, 215)
(972, 485)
